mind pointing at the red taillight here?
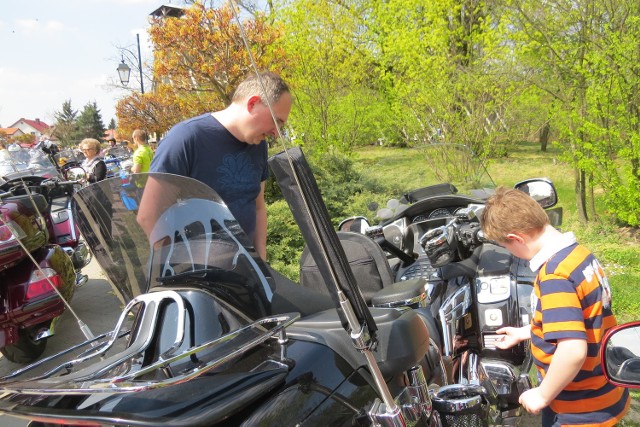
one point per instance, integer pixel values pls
(39, 282)
(9, 230)
(5, 234)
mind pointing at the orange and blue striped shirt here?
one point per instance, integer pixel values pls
(572, 299)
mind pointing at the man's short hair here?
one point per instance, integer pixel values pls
(511, 211)
(140, 134)
(253, 84)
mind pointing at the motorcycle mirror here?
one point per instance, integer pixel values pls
(75, 174)
(621, 355)
(541, 190)
(357, 224)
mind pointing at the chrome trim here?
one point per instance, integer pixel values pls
(453, 398)
(43, 333)
(69, 378)
(381, 417)
(417, 393)
(503, 375)
(477, 375)
(451, 311)
(81, 279)
(404, 303)
(414, 402)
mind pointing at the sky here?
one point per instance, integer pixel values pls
(57, 50)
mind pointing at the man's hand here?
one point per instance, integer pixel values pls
(512, 336)
(533, 401)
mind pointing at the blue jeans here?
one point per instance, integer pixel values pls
(549, 418)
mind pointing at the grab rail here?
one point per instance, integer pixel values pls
(91, 379)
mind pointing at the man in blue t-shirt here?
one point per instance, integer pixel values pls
(227, 151)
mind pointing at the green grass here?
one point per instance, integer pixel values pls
(617, 248)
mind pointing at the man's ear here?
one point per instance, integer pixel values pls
(252, 102)
(514, 237)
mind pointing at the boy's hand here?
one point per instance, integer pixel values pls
(533, 401)
(512, 336)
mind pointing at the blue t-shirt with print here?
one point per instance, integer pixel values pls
(203, 149)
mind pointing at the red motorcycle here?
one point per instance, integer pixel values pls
(40, 258)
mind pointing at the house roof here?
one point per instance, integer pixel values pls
(10, 131)
(110, 134)
(37, 124)
(168, 11)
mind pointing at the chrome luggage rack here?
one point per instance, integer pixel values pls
(92, 371)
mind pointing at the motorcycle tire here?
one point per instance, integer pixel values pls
(25, 350)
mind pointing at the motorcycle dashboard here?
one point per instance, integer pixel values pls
(434, 214)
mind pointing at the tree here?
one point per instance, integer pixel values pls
(4, 138)
(112, 124)
(90, 123)
(199, 59)
(445, 68)
(585, 53)
(65, 127)
(338, 101)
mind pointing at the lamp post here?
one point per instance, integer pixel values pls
(124, 71)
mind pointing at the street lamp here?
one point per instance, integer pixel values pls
(124, 71)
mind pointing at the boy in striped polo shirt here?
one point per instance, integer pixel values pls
(571, 306)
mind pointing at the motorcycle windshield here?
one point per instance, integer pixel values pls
(68, 156)
(26, 162)
(160, 230)
(117, 153)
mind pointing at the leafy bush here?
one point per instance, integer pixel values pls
(345, 191)
(284, 241)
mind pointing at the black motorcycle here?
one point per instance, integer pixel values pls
(474, 286)
(212, 336)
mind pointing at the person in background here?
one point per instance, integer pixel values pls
(125, 146)
(227, 150)
(5, 156)
(93, 164)
(571, 306)
(143, 154)
(106, 152)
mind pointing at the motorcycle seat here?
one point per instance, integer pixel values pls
(40, 201)
(403, 338)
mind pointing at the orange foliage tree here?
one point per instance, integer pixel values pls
(198, 61)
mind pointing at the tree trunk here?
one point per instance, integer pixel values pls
(544, 136)
(581, 200)
(592, 200)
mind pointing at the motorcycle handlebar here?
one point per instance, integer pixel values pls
(466, 267)
(54, 183)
